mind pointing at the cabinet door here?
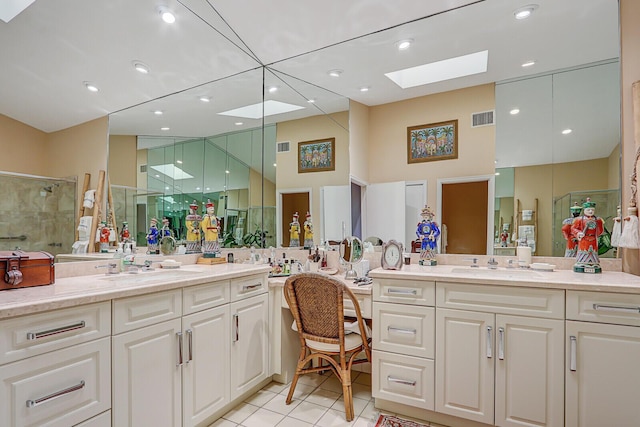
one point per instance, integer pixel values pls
(529, 371)
(465, 364)
(249, 344)
(602, 375)
(205, 372)
(146, 376)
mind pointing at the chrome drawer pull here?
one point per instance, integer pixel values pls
(235, 323)
(190, 344)
(36, 402)
(602, 307)
(489, 340)
(401, 381)
(251, 287)
(180, 359)
(501, 343)
(401, 330)
(61, 329)
(402, 291)
(572, 354)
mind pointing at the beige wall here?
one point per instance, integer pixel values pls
(359, 141)
(310, 129)
(630, 67)
(123, 160)
(387, 147)
(24, 149)
(581, 176)
(255, 185)
(613, 166)
(535, 182)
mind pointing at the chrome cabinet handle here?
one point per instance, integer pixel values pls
(35, 402)
(54, 331)
(401, 381)
(190, 344)
(616, 308)
(236, 335)
(401, 330)
(402, 291)
(179, 334)
(251, 287)
(501, 343)
(573, 363)
(489, 345)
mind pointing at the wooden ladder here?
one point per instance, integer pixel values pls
(97, 208)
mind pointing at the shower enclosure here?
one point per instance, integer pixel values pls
(37, 213)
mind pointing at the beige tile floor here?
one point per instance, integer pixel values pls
(317, 401)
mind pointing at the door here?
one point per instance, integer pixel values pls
(602, 375)
(464, 212)
(336, 212)
(385, 211)
(205, 372)
(147, 376)
(249, 343)
(464, 364)
(529, 371)
(292, 203)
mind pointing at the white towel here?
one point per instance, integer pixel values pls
(89, 198)
(616, 232)
(84, 228)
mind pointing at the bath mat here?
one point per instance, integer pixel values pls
(391, 421)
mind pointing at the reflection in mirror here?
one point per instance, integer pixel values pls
(351, 252)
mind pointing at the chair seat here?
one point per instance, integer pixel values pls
(351, 341)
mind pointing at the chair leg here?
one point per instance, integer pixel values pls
(292, 388)
(347, 393)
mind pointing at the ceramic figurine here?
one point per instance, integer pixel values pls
(572, 241)
(152, 237)
(308, 232)
(504, 236)
(166, 230)
(125, 235)
(192, 222)
(104, 237)
(428, 232)
(210, 229)
(294, 232)
(586, 229)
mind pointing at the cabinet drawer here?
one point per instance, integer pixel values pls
(202, 297)
(60, 388)
(364, 301)
(403, 379)
(102, 420)
(404, 329)
(404, 291)
(35, 334)
(519, 301)
(604, 307)
(136, 312)
(246, 287)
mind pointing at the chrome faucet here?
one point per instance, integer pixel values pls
(112, 268)
(474, 262)
(492, 263)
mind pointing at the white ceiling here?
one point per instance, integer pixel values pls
(52, 47)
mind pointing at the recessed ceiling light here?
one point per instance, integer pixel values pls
(364, 89)
(525, 11)
(514, 111)
(198, 188)
(567, 131)
(404, 44)
(165, 128)
(311, 101)
(91, 87)
(528, 64)
(167, 15)
(273, 89)
(274, 165)
(157, 176)
(141, 67)
(226, 171)
(205, 98)
(179, 161)
(497, 173)
(208, 188)
(158, 112)
(334, 73)
(239, 123)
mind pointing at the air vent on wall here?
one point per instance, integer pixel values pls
(143, 168)
(485, 118)
(282, 147)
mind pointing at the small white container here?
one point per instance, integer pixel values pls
(524, 255)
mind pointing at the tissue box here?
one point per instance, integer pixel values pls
(362, 268)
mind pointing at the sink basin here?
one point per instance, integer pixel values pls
(499, 272)
(144, 277)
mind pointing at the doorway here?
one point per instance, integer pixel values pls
(465, 205)
(292, 203)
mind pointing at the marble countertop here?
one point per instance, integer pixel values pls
(85, 289)
(607, 281)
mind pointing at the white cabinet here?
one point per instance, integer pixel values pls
(403, 342)
(495, 362)
(602, 375)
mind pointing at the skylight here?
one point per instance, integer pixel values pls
(9, 9)
(446, 69)
(172, 171)
(255, 111)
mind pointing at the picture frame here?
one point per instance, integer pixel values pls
(435, 141)
(317, 156)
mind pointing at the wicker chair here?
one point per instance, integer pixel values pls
(316, 302)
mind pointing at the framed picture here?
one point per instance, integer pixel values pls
(317, 156)
(436, 141)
